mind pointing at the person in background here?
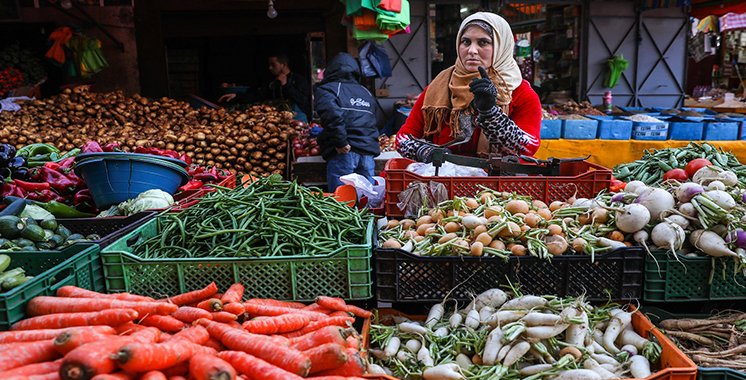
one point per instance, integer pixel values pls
(348, 113)
(287, 85)
(481, 101)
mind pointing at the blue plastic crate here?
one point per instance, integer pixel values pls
(741, 126)
(649, 126)
(721, 131)
(686, 130)
(650, 135)
(551, 129)
(579, 129)
(700, 110)
(611, 128)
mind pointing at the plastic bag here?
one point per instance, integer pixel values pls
(8, 104)
(446, 170)
(365, 188)
(418, 194)
(374, 61)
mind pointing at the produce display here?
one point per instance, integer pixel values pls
(253, 141)
(659, 165)
(304, 145)
(203, 334)
(525, 337)
(267, 217)
(387, 144)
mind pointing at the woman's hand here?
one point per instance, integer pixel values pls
(226, 98)
(485, 92)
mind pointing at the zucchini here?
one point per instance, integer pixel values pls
(21, 242)
(93, 237)
(47, 233)
(49, 224)
(10, 226)
(4, 262)
(33, 232)
(15, 208)
(57, 240)
(75, 237)
(29, 221)
(45, 246)
(5, 244)
(15, 272)
(63, 231)
(15, 281)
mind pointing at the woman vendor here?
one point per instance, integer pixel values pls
(480, 101)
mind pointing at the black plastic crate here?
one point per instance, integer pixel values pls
(404, 277)
(110, 229)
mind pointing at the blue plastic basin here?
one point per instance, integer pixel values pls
(113, 180)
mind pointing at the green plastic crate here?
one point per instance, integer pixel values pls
(344, 273)
(688, 279)
(78, 265)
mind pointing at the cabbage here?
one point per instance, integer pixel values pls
(36, 212)
(148, 200)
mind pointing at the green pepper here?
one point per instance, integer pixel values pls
(61, 210)
(36, 150)
(40, 160)
(71, 153)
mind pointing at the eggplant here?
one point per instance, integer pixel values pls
(4, 171)
(21, 174)
(17, 162)
(8, 149)
(4, 159)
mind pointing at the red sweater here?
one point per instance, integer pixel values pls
(524, 110)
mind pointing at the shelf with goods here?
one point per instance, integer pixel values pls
(558, 45)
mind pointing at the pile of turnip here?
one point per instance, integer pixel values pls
(718, 341)
(498, 224)
(526, 337)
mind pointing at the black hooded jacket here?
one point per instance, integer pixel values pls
(347, 110)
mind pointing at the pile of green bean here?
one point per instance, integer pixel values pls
(654, 164)
(270, 217)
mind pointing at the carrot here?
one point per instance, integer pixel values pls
(76, 292)
(339, 304)
(116, 376)
(180, 370)
(353, 341)
(236, 308)
(111, 317)
(138, 356)
(341, 313)
(256, 368)
(165, 337)
(153, 375)
(318, 308)
(47, 376)
(313, 326)
(74, 337)
(196, 334)
(234, 324)
(233, 294)
(177, 378)
(190, 314)
(96, 358)
(32, 369)
(259, 309)
(327, 356)
(355, 366)
(328, 334)
(214, 343)
(335, 378)
(129, 328)
(277, 324)
(271, 302)
(44, 334)
(163, 322)
(259, 346)
(208, 367)
(28, 353)
(223, 316)
(52, 305)
(212, 304)
(193, 296)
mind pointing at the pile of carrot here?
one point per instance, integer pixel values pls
(199, 335)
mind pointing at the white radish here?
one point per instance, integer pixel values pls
(425, 357)
(441, 332)
(492, 297)
(668, 235)
(472, 319)
(503, 351)
(463, 361)
(534, 369)
(598, 348)
(485, 313)
(434, 316)
(710, 243)
(656, 201)
(576, 374)
(576, 333)
(619, 320)
(546, 332)
(604, 359)
(455, 320)
(413, 345)
(404, 356)
(392, 347)
(540, 319)
(412, 327)
(632, 218)
(641, 237)
(629, 337)
(598, 335)
(376, 369)
(639, 367)
(408, 246)
(722, 199)
(524, 302)
(519, 349)
(377, 353)
(503, 317)
(632, 350)
(447, 371)
(605, 242)
(492, 346)
(601, 371)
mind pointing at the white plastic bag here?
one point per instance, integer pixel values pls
(365, 188)
(446, 170)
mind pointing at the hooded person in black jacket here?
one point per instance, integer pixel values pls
(347, 110)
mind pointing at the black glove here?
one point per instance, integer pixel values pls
(425, 153)
(485, 92)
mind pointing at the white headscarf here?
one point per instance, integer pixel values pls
(502, 52)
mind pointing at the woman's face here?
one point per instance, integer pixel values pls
(475, 48)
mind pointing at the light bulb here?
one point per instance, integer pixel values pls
(271, 12)
(67, 4)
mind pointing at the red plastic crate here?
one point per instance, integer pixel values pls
(583, 177)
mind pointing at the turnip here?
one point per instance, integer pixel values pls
(634, 185)
(737, 237)
(710, 243)
(708, 174)
(656, 201)
(619, 320)
(688, 209)
(668, 235)
(639, 367)
(722, 199)
(434, 316)
(680, 220)
(493, 297)
(641, 237)
(441, 332)
(716, 185)
(720, 229)
(471, 222)
(632, 218)
(687, 191)
(404, 356)
(447, 371)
